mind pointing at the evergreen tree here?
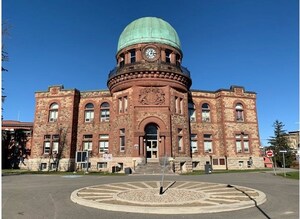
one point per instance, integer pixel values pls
(280, 142)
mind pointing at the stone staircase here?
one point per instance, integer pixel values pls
(152, 168)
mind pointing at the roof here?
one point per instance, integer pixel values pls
(148, 30)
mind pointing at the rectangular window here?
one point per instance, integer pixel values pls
(87, 143)
(87, 146)
(205, 116)
(192, 112)
(180, 140)
(168, 56)
(238, 144)
(222, 161)
(132, 56)
(53, 116)
(46, 147)
(122, 140)
(242, 143)
(101, 165)
(122, 60)
(55, 147)
(194, 144)
(215, 161)
(103, 143)
(123, 104)
(178, 105)
(208, 143)
(89, 115)
(43, 166)
(104, 114)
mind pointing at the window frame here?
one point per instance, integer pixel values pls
(53, 112)
(89, 113)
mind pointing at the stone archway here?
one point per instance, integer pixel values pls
(154, 138)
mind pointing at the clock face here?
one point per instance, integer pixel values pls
(150, 53)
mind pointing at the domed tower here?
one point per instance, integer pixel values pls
(150, 93)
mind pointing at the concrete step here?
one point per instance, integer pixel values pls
(152, 168)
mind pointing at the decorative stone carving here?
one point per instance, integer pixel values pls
(152, 96)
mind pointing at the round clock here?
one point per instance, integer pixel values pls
(150, 53)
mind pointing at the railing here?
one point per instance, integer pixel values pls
(159, 67)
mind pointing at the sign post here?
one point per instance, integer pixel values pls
(283, 152)
(270, 154)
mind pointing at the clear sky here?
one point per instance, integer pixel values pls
(250, 43)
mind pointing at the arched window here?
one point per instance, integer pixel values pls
(239, 112)
(104, 112)
(192, 112)
(89, 112)
(205, 112)
(53, 112)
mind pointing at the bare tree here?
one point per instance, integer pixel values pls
(57, 155)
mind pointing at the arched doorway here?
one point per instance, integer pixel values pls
(151, 141)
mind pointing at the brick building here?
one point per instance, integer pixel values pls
(148, 113)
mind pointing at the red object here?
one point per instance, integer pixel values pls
(269, 153)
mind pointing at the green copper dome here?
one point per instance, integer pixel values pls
(148, 30)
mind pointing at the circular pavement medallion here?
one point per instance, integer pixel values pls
(177, 197)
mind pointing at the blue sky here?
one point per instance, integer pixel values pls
(250, 43)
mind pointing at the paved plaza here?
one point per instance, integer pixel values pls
(233, 195)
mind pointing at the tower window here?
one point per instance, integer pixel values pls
(132, 56)
(122, 60)
(168, 56)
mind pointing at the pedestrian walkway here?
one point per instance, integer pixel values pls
(173, 197)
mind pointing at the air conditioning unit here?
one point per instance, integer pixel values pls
(104, 119)
(52, 120)
(87, 120)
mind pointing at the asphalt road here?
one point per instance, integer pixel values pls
(48, 196)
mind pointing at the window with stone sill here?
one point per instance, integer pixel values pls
(207, 143)
(194, 143)
(103, 143)
(87, 144)
(242, 143)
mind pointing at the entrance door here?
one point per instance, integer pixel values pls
(151, 141)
